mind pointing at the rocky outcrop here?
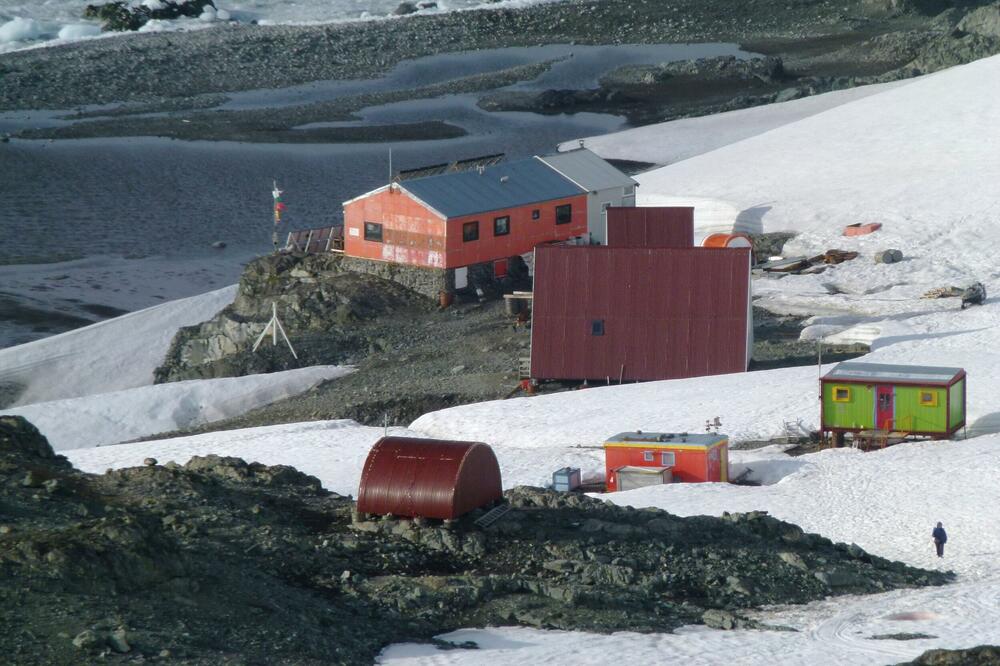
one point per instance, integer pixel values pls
(983, 655)
(982, 21)
(723, 67)
(220, 559)
(316, 296)
(121, 16)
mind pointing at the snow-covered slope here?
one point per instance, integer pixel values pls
(111, 355)
(109, 418)
(667, 143)
(332, 451)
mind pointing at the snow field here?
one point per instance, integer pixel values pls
(108, 356)
(109, 418)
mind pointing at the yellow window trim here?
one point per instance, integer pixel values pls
(933, 395)
(837, 389)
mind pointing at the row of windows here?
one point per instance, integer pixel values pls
(470, 230)
(501, 225)
(843, 394)
(666, 458)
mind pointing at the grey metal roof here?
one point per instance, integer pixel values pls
(667, 438)
(881, 371)
(503, 185)
(587, 170)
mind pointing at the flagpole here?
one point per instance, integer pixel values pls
(278, 207)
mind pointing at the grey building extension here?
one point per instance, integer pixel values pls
(606, 186)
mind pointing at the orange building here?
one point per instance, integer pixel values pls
(458, 219)
(702, 457)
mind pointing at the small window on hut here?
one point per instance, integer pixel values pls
(841, 394)
(470, 231)
(501, 226)
(535, 214)
(667, 458)
(928, 399)
(373, 232)
(564, 214)
(597, 327)
(647, 456)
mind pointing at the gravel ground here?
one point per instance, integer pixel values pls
(824, 45)
(147, 67)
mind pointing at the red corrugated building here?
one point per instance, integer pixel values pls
(430, 478)
(458, 219)
(701, 457)
(624, 314)
(651, 226)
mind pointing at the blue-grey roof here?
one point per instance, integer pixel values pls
(503, 185)
(587, 170)
(888, 372)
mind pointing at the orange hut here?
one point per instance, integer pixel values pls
(701, 457)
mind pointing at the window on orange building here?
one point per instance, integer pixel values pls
(535, 214)
(373, 232)
(501, 226)
(667, 459)
(647, 456)
(564, 214)
(470, 231)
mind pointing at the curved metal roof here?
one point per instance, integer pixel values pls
(432, 478)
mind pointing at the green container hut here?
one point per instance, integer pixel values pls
(910, 399)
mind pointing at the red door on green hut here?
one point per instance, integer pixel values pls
(884, 412)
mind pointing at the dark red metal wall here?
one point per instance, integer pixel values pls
(658, 226)
(667, 312)
(432, 478)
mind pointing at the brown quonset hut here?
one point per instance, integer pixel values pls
(651, 226)
(429, 478)
(625, 314)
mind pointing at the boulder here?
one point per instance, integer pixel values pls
(982, 21)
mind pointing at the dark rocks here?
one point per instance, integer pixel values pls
(120, 16)
(888, 256)
(982, 21)
(175, 557)
(315, 295)
(984, 655)
(405, 8)
(974, 295)
(18, 436)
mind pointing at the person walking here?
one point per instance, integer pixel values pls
(940, 539)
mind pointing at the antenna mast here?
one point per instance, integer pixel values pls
(275, 327)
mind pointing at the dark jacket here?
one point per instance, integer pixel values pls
(939, 535)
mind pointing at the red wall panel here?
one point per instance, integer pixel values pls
(651, 226)
(667, 312)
